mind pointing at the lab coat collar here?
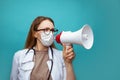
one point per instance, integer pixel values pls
(29, 56)
(50, 53)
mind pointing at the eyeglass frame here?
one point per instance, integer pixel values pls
(48, 30)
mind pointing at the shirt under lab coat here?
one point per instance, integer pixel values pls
(23, 65)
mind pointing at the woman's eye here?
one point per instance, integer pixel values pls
(46, 29)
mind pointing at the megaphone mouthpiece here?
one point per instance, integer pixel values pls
(58, 38)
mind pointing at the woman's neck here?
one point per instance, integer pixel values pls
(40, 47)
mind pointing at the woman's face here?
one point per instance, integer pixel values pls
(46, 24)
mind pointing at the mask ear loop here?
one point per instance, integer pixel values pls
(51, 64)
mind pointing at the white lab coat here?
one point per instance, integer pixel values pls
(23, 65)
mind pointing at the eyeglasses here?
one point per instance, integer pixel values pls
(48, 30)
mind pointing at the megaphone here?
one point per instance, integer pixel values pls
(84, 37)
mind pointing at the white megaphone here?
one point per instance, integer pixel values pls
(84, 37)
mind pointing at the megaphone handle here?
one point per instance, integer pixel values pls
(67, 45)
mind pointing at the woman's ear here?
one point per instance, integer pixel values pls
(35, 34)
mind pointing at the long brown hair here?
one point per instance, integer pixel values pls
(31, 40)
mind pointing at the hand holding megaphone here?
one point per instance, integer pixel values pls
(84, 37)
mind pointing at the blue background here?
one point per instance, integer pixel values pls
(102, 62)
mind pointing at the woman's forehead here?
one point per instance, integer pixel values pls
(46, 24)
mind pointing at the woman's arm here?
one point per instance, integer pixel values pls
(68, 56)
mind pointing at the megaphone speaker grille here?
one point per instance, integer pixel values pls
(87, 37)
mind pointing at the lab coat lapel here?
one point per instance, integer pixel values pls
(28, 56)
(49, 63)
(27, 62)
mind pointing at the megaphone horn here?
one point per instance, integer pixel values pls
(84, 37)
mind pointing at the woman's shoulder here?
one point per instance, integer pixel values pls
(20, 52)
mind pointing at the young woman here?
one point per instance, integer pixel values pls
(40, 60)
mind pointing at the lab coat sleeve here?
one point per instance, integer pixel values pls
(14, 71)
(64, 72)
(63, 68)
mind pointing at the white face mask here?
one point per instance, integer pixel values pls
(47, 39)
